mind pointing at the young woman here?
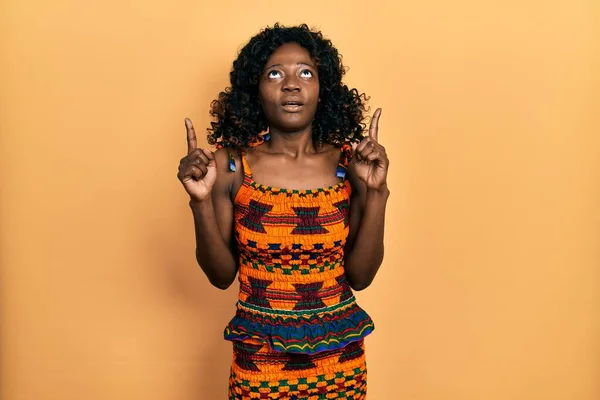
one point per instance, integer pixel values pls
(293, 202)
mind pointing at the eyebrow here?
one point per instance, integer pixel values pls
(300, 63)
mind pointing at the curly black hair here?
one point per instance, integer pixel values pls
(238, 115)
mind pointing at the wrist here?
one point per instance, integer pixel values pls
(201, 205)
(381, 192)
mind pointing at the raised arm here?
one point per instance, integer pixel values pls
(368, 177)
(207, 179)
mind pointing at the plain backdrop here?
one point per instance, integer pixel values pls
(491, 118)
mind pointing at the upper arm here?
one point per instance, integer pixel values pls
(357, 205)
(221, 196)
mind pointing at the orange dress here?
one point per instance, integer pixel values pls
(297, 332)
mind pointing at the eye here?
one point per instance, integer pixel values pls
(306, 73)
(274, 74)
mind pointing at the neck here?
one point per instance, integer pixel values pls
(292, 143)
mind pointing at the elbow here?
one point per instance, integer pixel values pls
(360, 285)
(220, 276)
(222, 284)
(219, 280)
(361, 279)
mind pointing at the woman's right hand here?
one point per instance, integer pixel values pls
(197, 170)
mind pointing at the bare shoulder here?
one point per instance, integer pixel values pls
(224, 173)
(330, 149)
(331, 153)
(222, 159)
(229, 179)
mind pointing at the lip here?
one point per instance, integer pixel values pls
(292, 104)
(292, 99)
(292, 107)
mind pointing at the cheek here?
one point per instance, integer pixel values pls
(266, 98)
(315, 91)
(263, 91)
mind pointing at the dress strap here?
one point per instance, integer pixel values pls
(257, 141)
(247, 171)
(345, 155)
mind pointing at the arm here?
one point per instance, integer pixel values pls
(367, 173)
(206, 178)
(215, 249)
(364, 247)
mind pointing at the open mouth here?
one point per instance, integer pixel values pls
(292, 105)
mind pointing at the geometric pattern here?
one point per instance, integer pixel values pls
(310, 296)
(346, 292)
(252, 219)
(243, 359)
(308, 224)
(297, 331)
(298, 362)
(344, 208)
(351, 352)
(338, 374)
(258, 296)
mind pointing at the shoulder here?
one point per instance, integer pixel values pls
(225, 175)
(331, 148)
(332, 152)
(222, 157)
(230, 170)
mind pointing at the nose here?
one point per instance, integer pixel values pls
(290, 84)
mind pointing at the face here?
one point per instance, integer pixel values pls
(289, 88)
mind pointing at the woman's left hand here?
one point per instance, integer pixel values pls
(369, 158)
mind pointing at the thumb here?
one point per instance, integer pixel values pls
(210, 155)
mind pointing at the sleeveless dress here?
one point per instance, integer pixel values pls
(297, 332)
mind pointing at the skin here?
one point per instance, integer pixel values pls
(289, 160)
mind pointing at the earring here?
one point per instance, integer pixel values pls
(232, 166)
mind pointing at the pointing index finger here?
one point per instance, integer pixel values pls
(191, 135)
(374, 126)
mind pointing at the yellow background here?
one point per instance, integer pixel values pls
(489, 289)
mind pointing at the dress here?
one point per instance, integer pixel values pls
(297, 332)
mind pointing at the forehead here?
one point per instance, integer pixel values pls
(290, 53)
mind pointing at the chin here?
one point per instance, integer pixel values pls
(293, 123)
(292, 128)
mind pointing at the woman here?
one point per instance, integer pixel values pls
(294, 202)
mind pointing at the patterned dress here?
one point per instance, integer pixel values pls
(297, 332)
